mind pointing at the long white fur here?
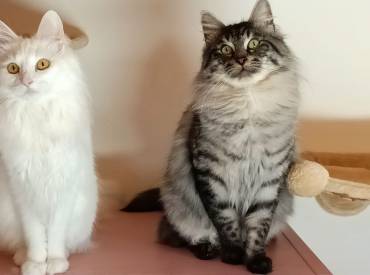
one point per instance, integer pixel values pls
(48, 187)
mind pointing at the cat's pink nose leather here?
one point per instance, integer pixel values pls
(25, 80)
(242, 60)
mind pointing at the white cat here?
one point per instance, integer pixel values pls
(48, 187)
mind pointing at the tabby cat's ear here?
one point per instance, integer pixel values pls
(51, 27)
(6, 35)
(262, 16)
(211, 26)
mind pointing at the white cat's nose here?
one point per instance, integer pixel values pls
(27, 81)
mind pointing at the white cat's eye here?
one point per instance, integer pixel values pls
(42, 64)
(12, 68)
(253, 44)
(227, 50)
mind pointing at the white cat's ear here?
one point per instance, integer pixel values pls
(262, 15)
(51, 27)
(6, 34)
(211, 26)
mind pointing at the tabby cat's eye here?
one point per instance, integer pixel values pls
(264, 46)
(42, 64)
(227, 50)
(253, 44)
(13, 68)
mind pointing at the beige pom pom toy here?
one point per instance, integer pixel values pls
(337, 196)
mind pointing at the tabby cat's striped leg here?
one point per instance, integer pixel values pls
(226, 221)
(258, 222)
(213, 193)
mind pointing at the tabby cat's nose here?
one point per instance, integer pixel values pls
(241, 60)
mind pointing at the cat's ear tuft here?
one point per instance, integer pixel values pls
(6, 34)
(51, 26)
(262, 15)
(211, 26)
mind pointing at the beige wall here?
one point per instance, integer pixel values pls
(140, 63)
(143, 55)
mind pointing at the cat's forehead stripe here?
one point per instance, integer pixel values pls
(245, 36)
(246, 42)
(228, 42)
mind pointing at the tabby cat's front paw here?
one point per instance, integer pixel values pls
(232, 255)
(57, 266)
(259, 264)
(33, 268)
(204, 251)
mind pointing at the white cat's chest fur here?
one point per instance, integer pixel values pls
(35, 125)
(44, 145)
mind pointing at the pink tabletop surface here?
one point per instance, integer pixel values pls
(125, 244)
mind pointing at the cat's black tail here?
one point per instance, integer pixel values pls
(147, 201)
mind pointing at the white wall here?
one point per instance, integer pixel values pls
(143, 55)
(141, 45)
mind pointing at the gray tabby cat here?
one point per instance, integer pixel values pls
(225, 187)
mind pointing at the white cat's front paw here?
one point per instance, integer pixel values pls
(57, 265)
(20, 256)
(33, 268)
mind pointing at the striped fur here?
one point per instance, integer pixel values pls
(225, 185)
